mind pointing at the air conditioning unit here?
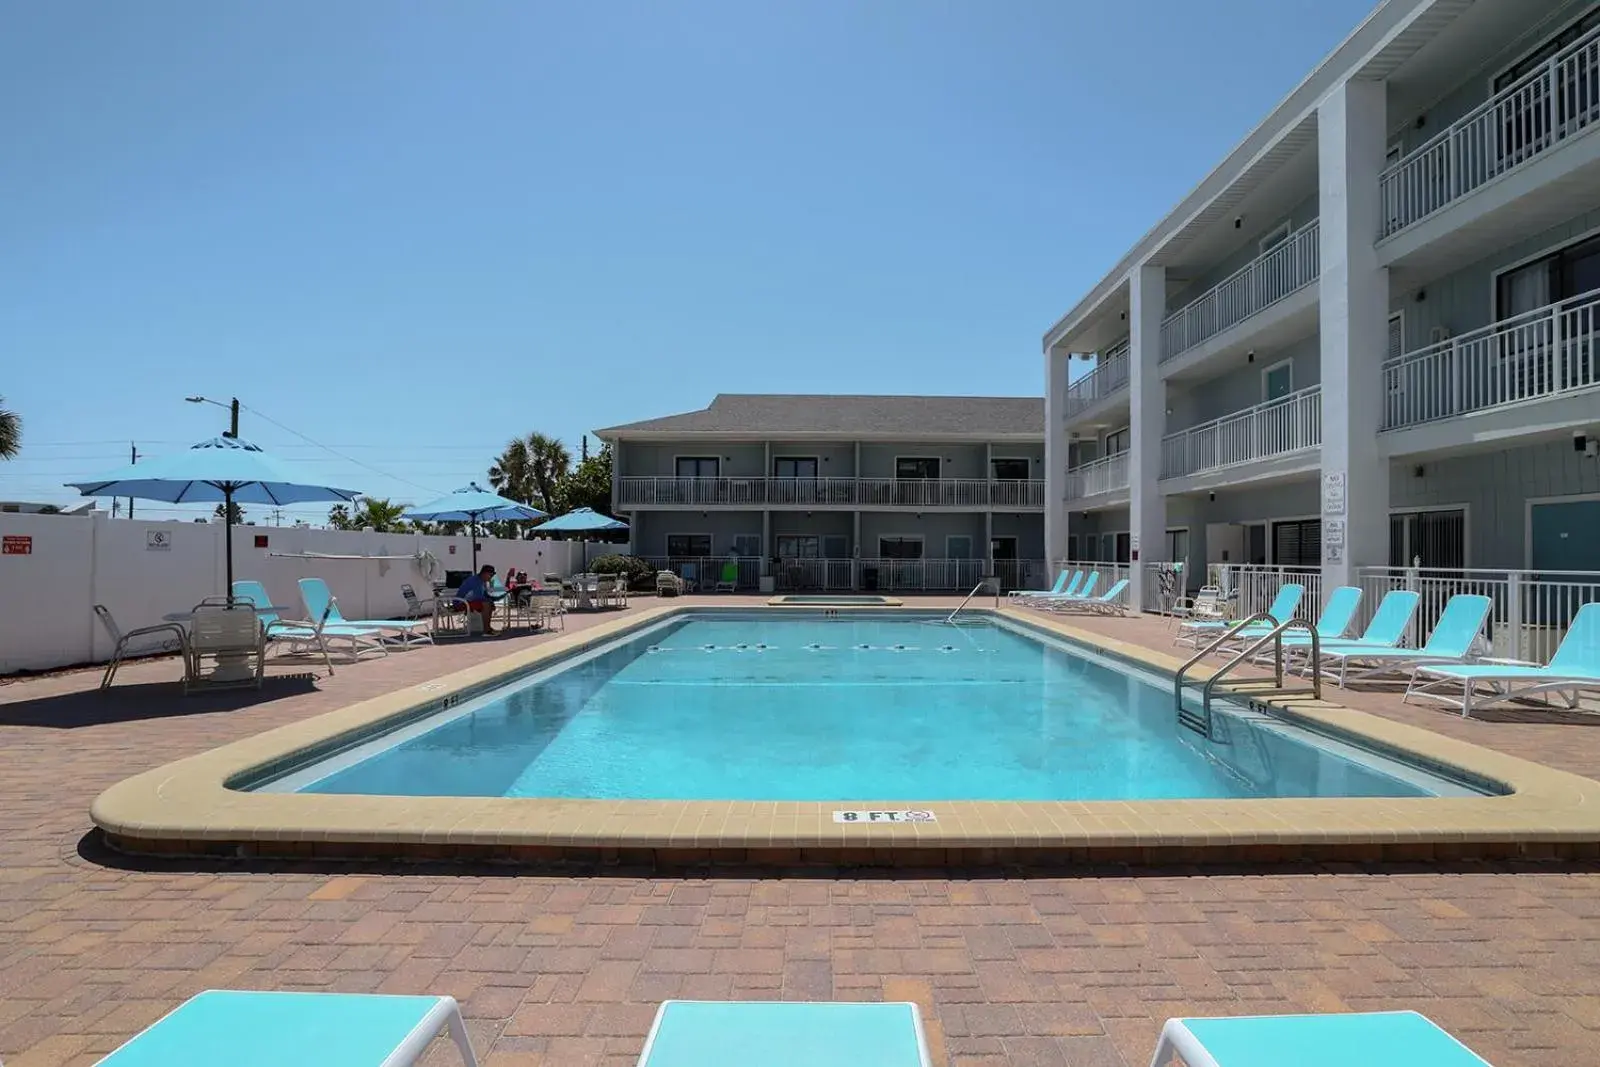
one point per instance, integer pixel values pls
(1438, 334)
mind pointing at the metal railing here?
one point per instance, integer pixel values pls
(1251, 587)
(1279, 427)
(1540, 353)
(1109, 377)
(1265, 280)
(703, 573)
(903, 575)
(1004, 494)
(1530, 610)
(1107, 475)
(805, 574)
(1517, 124)
(919, 575)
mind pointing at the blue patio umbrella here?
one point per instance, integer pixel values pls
(473, 504)
(582, 520)
(222, 469)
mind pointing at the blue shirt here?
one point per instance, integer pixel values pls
(473, 588)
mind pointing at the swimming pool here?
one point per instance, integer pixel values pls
(865, 706)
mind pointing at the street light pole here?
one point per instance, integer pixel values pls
(233, 411)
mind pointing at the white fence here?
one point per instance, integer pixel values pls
(1544, 352)
(1251, 588)
(1265, 280)
(1530, 612)
(1108, 475)
(1289, 424)
(707, 572)
(1520, 122)
(1110, 574)
(1109, 377)
(143, 570)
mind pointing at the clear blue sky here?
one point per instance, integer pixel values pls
(411, 232)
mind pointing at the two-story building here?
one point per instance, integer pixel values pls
(891, 493)
(1371, 336)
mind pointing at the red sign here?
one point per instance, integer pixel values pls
(14, 545)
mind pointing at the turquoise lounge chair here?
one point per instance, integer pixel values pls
(1284, 605)
(246, 1029)
(1084, 593)
(319, 599)
(1575, 666)
(1389, 625)
(1063, 587)
(1370, 1039)
(697, 1033)
(1451, 642)
(302, 637)
(1107, 603)
(1330, 625)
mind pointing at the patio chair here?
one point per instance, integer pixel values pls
(254, 1029)
(691, 577)
(1063, 587)
(1207, 605)
(547, 606)
(1283, 608)
(416, 607)
(728, 580)
(1574, 666)
(174, 637)
(1371, 1039)
(1107, 603)
(319, 601)
(668, 584)
(224, 633)
(1043, 601)
(785, 1034)
(1451, 641)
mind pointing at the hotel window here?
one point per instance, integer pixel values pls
(688, 546)
(698, 466)
(1008, 470)
(1117, 441)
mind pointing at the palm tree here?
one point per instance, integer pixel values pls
(531, 470)
(379, 514)
(10, 432)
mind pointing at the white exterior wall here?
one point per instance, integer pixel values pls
(47, 597)
(1354, 331)
(1056, 458)
(1147, 400)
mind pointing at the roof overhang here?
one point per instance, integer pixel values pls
(759, 436)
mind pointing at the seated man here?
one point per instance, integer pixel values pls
(479, 598)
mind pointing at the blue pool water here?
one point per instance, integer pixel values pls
(875, 707)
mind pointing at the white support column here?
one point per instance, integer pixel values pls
(1351, 124)
(1147, 507)
(1056, 367)
(766, 544)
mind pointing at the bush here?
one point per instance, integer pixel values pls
(639, 573)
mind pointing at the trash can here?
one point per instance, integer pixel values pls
(869, 579)
(768, 584)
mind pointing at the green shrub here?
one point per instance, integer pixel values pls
(638, 572)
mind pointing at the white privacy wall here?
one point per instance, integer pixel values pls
(47, 597)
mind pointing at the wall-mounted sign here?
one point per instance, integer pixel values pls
(884, 816)
(1333, 540)
(158, 540)
(16, 545)
(261, 540)
(1333, 493)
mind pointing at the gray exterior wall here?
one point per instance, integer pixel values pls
(1248, 249)
(1496, 487)
(644, 460)
(835, 459)
(816, 523)
(1242, 387)
(1027, 529)
(650, 529)
(955, 460)
(932, 527)
(1464, 300)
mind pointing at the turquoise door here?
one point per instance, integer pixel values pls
(1564, 536)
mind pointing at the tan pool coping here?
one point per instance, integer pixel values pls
(186, 807)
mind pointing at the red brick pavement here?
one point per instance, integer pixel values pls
(1077, 969)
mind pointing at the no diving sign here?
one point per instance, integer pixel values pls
(915, 815)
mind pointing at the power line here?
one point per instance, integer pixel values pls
(336, 452)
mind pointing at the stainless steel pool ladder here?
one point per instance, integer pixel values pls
(975, 591)
(1200, 722)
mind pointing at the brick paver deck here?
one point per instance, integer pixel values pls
(1074, 969)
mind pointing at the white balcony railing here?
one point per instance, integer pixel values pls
(1529, 614)
(1279, 427)
(1522, 121)
(1265, 280)
(1109, 377)
(1000, 494)
(1106, 475)
(1546, 352)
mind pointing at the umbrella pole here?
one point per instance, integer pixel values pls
(472, 531)
(227, 534)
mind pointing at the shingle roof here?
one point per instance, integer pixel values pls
(906, 417)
